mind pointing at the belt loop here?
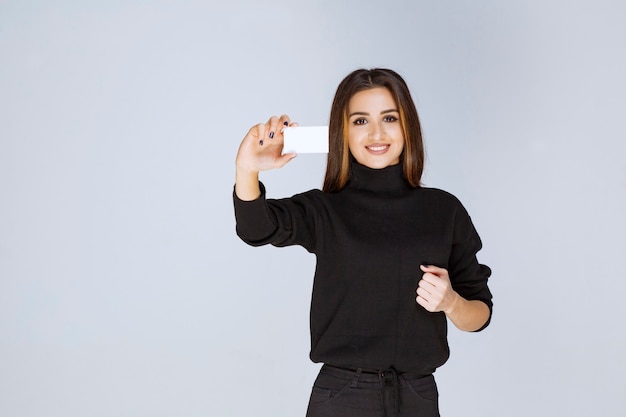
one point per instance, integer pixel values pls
(355, 380)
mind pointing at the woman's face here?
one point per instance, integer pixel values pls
(375, 135)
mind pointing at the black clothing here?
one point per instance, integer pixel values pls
(370, 239)
(361, 393)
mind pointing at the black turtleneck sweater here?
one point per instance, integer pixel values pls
(370, 239)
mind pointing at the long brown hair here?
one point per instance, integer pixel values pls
(339, 157)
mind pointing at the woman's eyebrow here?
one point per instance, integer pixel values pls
(362, 113)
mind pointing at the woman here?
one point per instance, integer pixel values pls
(394, 259)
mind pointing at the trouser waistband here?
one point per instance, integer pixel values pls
(366, 372)
(386, 378)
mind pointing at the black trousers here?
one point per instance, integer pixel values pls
(341, 392)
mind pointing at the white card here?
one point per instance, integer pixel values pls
(306, 139)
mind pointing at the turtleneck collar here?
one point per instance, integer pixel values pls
(389, 180)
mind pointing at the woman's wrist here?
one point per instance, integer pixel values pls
(247, 184)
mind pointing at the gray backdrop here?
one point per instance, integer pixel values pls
(123, 288)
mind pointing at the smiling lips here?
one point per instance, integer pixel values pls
(377, 149)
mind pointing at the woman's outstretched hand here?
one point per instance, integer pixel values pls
(262, 147)
(260, 150)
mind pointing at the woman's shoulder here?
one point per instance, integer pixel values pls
(445, 201)
(312, 195)
(439, 194)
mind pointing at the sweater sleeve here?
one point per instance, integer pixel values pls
(283, 222)
(469, 277)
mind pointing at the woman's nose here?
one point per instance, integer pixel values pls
(377, 131)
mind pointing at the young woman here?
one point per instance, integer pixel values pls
(394, 259)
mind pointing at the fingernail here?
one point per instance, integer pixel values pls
(271, 135)
(261, 142)
(286, 123)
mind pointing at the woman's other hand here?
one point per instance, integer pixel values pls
(434, 291)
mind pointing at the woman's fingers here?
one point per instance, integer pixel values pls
(283, 122)
(272, 127)
(283, 159)
(262, 147)
(435, 270)
(259, 133)
(434, 291)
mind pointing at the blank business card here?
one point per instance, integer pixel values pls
(306, 139)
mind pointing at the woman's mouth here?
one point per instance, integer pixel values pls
(377, 149)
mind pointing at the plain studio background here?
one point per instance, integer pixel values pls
(123, 288)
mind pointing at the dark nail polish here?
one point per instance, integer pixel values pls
(286, 123)
(271, 135)
(261, 142)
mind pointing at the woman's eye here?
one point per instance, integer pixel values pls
(359, 121)
(390, 119)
